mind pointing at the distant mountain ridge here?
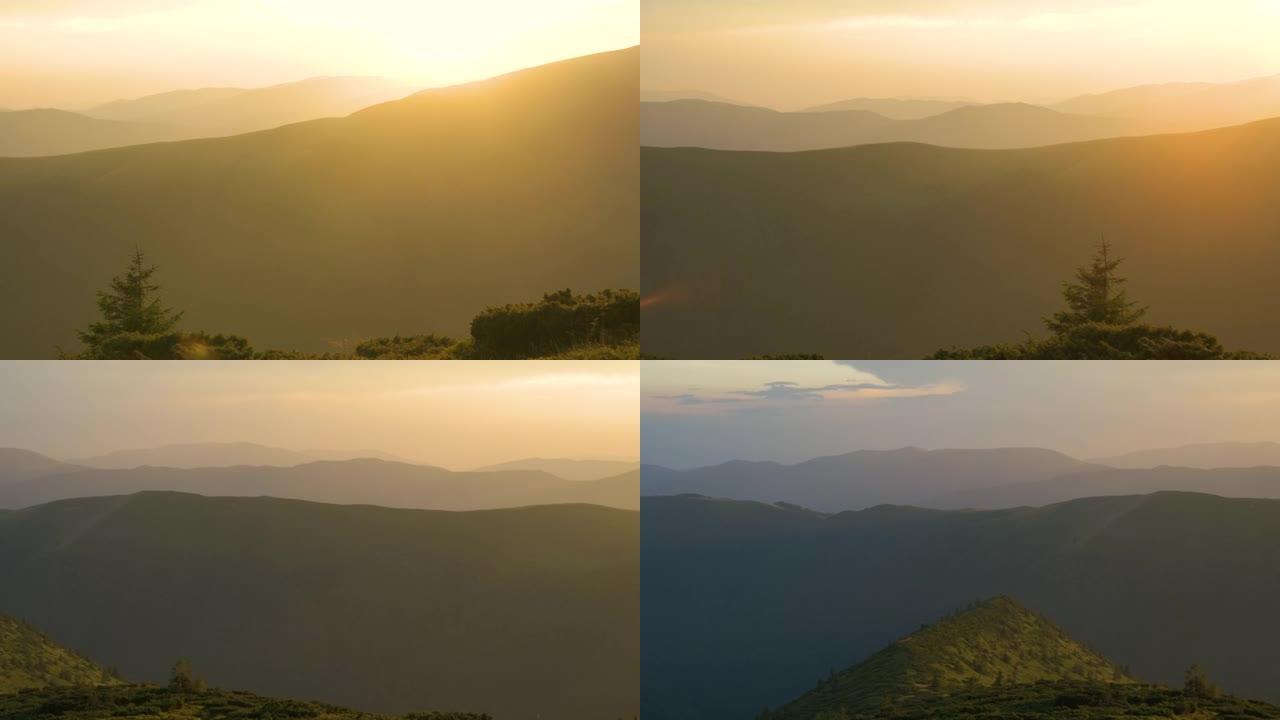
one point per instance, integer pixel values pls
(697, 123)
(865, 478)
(33, 133)
(567, 468)
(1200, 455)
(347, 482)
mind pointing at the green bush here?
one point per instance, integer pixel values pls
(557, 323)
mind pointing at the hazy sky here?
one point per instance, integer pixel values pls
(77, 53)
(699, 413)
(799, 53)
(452, 414)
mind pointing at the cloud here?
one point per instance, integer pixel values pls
(749, 386)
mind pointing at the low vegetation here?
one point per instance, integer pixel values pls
(139, 702)
(997, 659)
(136, 325)
(1100, 322)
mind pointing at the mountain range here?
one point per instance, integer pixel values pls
(697, 123)
(364, 481)
(984, 478)
(567, 468)
(185, 114)
(406, 217)
(507, 612)
(908, 249)
(700, 119)
(744, 605)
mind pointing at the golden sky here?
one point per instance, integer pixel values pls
(78, 53)
(801, 53)
(458, 415)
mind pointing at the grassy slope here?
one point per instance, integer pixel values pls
(140, 702)
(765, 601)
(996, 642)
(897, 250)
(29, 659)
(511, 612)
(407, 217)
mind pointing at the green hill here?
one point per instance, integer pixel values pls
(520, 613)
(407, 217)
(996, 642)
(29, 660)
(896, 250)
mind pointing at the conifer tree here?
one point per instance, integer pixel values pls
(132, 305)
(1096, 296)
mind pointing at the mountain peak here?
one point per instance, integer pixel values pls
(992, 642)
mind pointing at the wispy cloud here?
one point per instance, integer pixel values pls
(751, 386)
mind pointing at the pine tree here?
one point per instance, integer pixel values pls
(1096, 296)
(132, 305)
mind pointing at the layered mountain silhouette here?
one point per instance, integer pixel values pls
(567, 468)
(231, 111)
(349, 482)
(406, 217)
(960, 479)
(765, 600)
(865, 478)
(29, 659)
(186, 114)
(1180, 107)
(1200, 455)
(696, 123)
(995, 642)
(518, 613)
(966, 247)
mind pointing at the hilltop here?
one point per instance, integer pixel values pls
(993, 643)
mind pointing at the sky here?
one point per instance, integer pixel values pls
(800, 53)
(705, 412)
(74, 54)
(458, 415)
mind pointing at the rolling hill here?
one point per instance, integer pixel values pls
(567, 468)
(993, 643)
(406, 217)
(29, 660)
(506, 612)
(694, 123)
(31, 133)
(1200, 455)
(897, 250)
(350, 482)
(865, 478)
(745, 605)
(212, 112)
